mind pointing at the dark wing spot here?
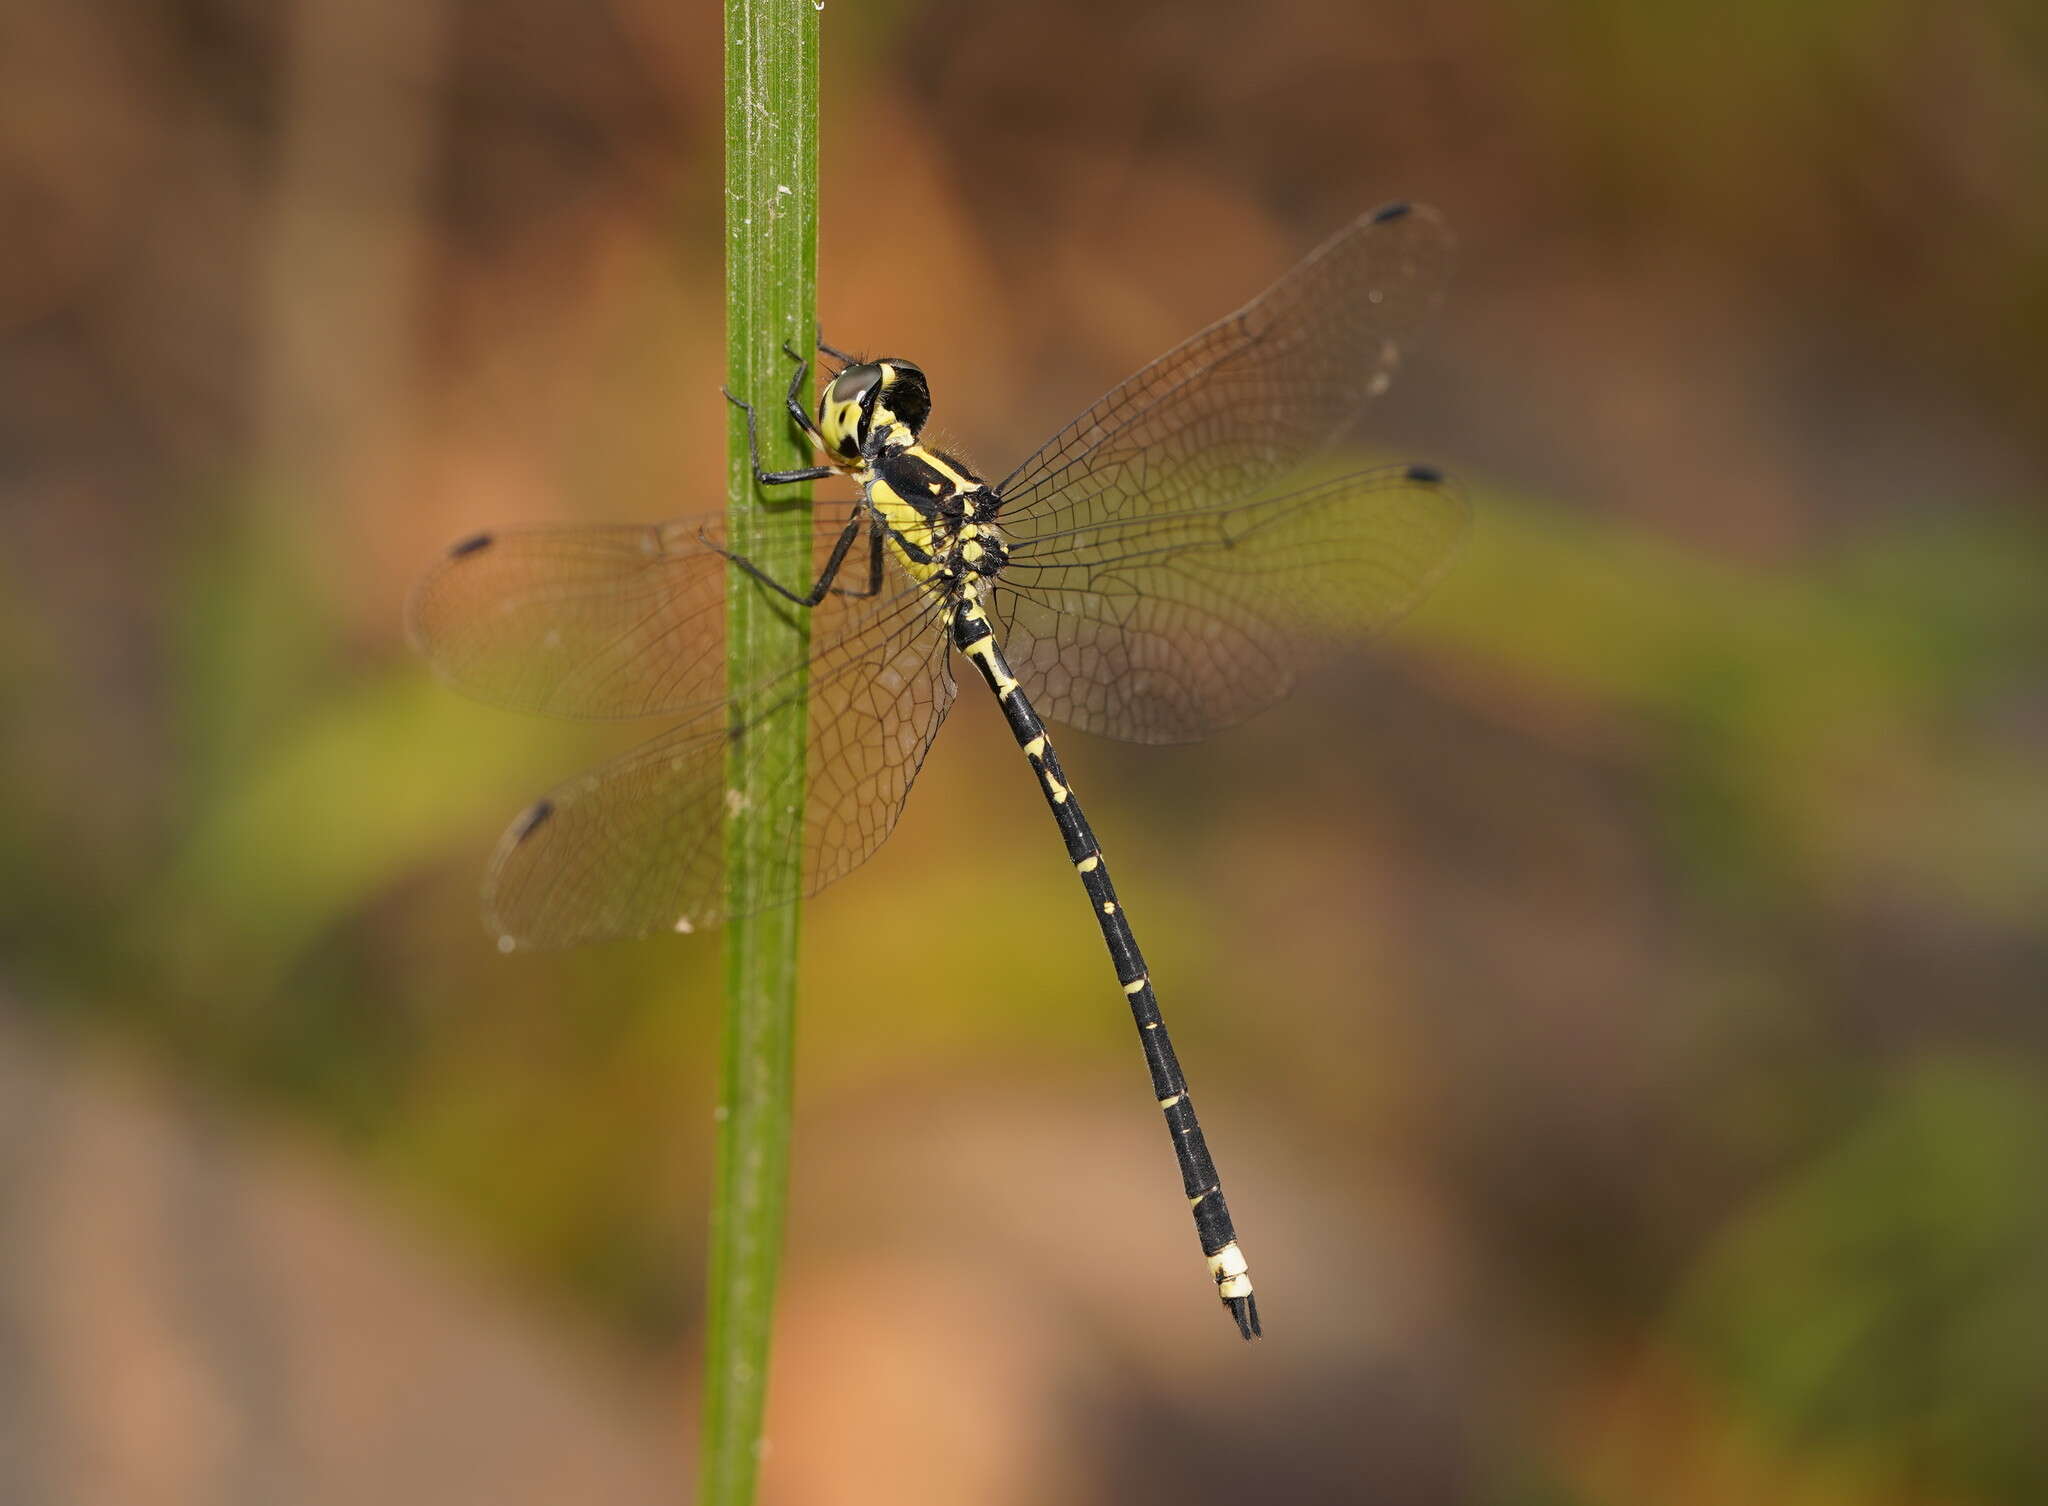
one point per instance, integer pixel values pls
(1392, 211)
(469, 546)
(530, 822)
(1428, 475)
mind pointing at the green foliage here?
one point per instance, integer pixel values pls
(1814, 726)
(1886, 1308)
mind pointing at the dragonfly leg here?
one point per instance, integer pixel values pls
(765, 477)
(795, 404)
(823, 584)
(874, 585)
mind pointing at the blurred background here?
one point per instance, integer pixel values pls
(1617, 1003)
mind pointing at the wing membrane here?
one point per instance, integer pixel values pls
(606, 622)
(637, 846)
(1154, 592)
(1162, 627)
(1231, 409)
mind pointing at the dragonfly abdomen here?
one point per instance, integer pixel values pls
(974, 636)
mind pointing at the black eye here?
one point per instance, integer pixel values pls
(856, 384)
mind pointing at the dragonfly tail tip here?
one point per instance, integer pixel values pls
(1245, 1310)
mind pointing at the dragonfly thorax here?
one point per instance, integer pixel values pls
(938, 514)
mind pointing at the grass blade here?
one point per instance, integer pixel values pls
(771, 99)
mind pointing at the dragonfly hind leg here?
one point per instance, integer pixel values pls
(823, 586)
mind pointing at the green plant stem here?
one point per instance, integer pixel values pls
(771, 108)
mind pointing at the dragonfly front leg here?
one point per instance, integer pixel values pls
(795, 405)
(767, 477)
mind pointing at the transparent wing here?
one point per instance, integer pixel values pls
(637, 846)
(1153, 594)
(624, 621)
(1161, 627)
(1214, 420)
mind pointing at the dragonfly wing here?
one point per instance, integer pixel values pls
(637, 847)
(625, 621)
(1160, 628)
(876, 704)
(1216, 419)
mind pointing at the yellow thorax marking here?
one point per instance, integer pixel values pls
(907, 521)
(895, 434)
(955, 478)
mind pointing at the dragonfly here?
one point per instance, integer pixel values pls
(1156, 570)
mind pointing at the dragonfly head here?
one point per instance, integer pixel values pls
(873, 405)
